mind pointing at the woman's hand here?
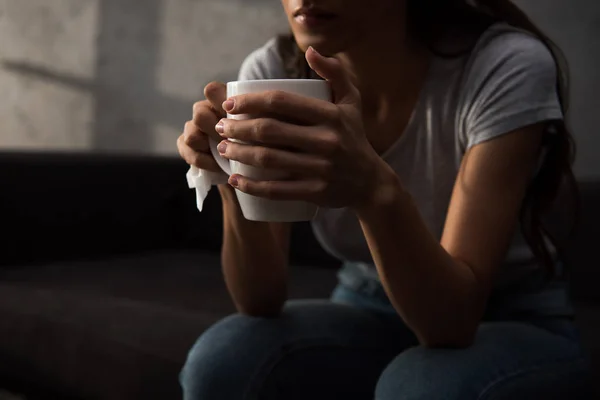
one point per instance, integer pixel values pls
(193, 143)
(321, 144)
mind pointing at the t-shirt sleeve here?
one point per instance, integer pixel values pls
(511, 84)
(263, 63)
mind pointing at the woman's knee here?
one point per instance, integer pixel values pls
(231, 355)
(505, 361)
(414, 375)
(225, 357)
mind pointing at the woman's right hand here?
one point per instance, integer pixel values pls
(193, 143)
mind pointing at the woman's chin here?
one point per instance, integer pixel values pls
(326, 44)
(322, 45)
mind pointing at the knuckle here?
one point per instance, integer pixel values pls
(320, 186)
(241, 102)
(266, 189)
(230, 128)
(204, 118)
(261, 129)
(269, 191)
(328, 169)
(211, 87)
(203, 112)
(334, 140)
(180, 143)
(190, 132)
(198, 106)
(331, 142)
(275, 97)
(336, 114)
(197, 160)
(263, 157)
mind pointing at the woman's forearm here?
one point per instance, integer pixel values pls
(254, 260)
(437, 296)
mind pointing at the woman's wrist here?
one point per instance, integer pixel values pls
(231, 207)
(227, 194)
(386, 190)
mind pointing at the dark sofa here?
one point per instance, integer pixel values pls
(108, 273)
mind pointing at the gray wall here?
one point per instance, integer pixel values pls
(118, 75)
(121, 75)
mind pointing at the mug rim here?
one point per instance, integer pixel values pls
(278, 80)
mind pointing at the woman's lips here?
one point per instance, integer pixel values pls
(313, 18)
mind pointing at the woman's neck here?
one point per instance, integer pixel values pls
(388, 73)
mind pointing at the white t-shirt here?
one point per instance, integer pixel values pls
(507, 82)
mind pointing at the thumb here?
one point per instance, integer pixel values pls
(330, 69)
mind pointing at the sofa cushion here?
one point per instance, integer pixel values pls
(116, 328)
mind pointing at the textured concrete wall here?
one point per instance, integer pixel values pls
(118, 75)
(121, 75)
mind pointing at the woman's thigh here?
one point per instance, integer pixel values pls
(508, 360)
(315, 349)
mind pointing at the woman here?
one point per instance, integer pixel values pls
(434, 169)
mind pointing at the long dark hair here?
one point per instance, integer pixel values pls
(431, 20)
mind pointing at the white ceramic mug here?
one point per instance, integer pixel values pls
(257, 208)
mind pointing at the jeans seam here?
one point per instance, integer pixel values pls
(556, 366)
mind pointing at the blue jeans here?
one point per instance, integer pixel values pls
(355, 346)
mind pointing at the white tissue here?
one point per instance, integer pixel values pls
(202, 181)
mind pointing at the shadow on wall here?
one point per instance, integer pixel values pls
(127, 102)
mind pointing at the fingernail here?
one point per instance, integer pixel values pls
(228, 105)
(222, 147)
(220, 127)
(233, 181)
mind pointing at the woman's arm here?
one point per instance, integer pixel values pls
(254, 257)
(441, 289)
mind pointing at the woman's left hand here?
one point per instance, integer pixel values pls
(321, 144)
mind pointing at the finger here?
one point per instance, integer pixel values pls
(303, 190)
(288, 105)
(275, 159)
(195, 158)
(205, 119)
(194, 138)
(330, 69)
(274, 133)
(216, 94)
